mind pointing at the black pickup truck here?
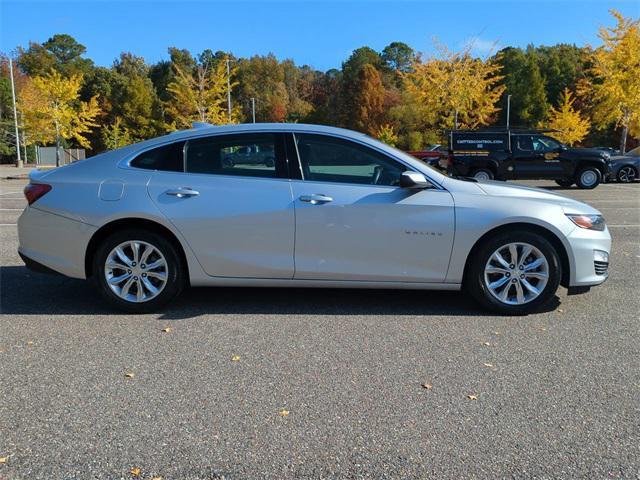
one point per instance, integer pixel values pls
(523, 154)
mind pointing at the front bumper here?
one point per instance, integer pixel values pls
(586, 257)
(54, 242)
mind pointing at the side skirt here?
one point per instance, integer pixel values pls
(278, 282)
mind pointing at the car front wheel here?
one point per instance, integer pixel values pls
(514, 273)
(588, 178)
(138, 271)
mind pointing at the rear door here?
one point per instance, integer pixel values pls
(237, 216)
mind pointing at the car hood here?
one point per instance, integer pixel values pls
(588, 152)
(501, 189)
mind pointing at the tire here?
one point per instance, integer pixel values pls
(480, 273)
(626, 174)
(269, 162)
(157, 250)
(228, 162)
(482, 174)
(588, 178)
(564, 183)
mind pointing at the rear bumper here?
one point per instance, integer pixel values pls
(587, 269)
(53, 242)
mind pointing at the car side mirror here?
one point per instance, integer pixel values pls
(413, 180)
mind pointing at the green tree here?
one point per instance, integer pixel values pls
(61, 52)
(399, 56)
(524, 82)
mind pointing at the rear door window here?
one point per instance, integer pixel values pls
(246, 154)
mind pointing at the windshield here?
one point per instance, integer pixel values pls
(634, 153)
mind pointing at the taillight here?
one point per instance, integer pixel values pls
(34, 191)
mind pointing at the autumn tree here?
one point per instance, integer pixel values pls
(369, 100)
(200, 95)
(52, 111)
(615, 88)
(452, 85)
(115, 135)
(569, 124)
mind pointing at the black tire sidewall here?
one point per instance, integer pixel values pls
(588, 187)
(474, 281)
(175, 280)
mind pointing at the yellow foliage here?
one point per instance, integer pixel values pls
(50, 107)
(387, 134)
(571, 127)
(200, 96)
(615, 92)
(451, 82)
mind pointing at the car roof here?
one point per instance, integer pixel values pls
(206, 129)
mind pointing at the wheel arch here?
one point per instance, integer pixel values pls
(122, 223)
(529, 227)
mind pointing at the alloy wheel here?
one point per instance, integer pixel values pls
(627, 174)
(516, 273)
(136, 271)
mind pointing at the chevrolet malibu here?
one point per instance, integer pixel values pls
(334, 209)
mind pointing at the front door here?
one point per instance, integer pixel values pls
(237, 215)
(354, 222)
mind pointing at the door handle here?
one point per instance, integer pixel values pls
(183, 192)
(316, 199)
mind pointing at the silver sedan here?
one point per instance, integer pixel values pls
(334, 208)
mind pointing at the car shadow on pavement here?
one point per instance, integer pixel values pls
(23, 292)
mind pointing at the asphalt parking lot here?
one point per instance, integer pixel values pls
(267, 383)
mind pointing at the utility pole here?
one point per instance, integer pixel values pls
(228, 90)
(508, 109)
(253, 109)
(15, 113)
(455, 121)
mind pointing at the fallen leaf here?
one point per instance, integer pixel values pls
(3, 459)
(487, 344)
(156, 478)
(428, 386)
(135, 471)
(235, 358)
(283, 412)
(29, 343)
(560, 310)
(488, 365)
(472, 397)
(166, 330)
(496, 333)
(129, 375)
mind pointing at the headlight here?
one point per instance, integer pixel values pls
(590, 222)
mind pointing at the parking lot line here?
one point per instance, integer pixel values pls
(7, 224)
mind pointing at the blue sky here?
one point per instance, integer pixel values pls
(321, 34)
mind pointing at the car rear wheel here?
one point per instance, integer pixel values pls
(514, 273)
(483, 174)
(627, 174)
(138, 271)
(564, 183)
(588, 178)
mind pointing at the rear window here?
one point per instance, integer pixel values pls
(167, 157)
